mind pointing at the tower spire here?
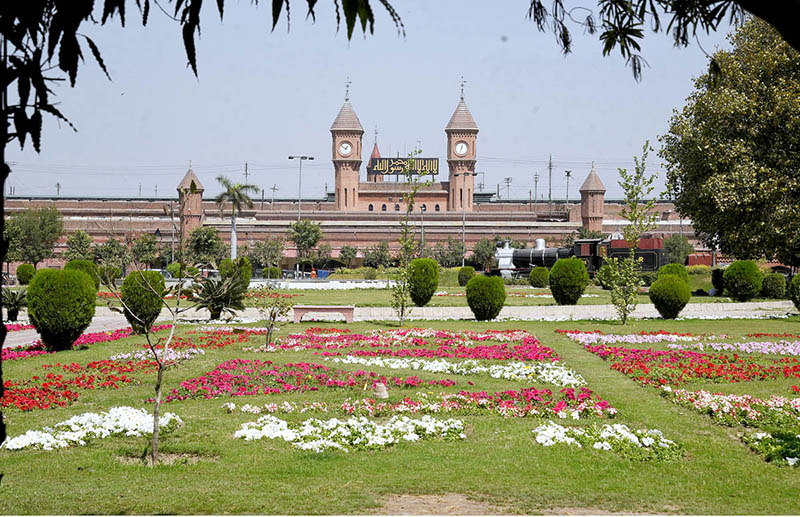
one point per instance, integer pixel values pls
(463, 82)
(347, 89)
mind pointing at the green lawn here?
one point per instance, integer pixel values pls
(498, 462)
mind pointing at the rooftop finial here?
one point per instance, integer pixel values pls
(190, 164)
(592, 164)
(347, 89)
(376, 134)
(463, 82)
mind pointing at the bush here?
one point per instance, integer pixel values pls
(271, 272)
(142, 293)
(174, 269)
(669, 294)
(486, 296)
(465, 274)
(699, 270)
(25, 273)
(678, 270)
(370, 273)
(568, 280)
(516, 281)
(743, 280)
(87, 267)
(109, 274)
(240, 269)
(539, 277)
(773, 286)
(648, 277)
(423, 280)
(603, 277)
(61, 306)
(794, 291)
(718, 280)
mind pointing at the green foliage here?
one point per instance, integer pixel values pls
(648, 277)
(174, 269)
(626, 278)
(582, 233)
(465, 274)
(11, 232)
(38, 231)
(347, 254)
(323, 255)
(727, 168)
(568, 280)
(271, 272)
(423, 280)
(220, 295)
(13, 301)
(678, 249)
(676, 269)
(486, 296)
(145, 250)
(378, 255)
(794, 291)
(450, 254)
(539, 277)
(483, 253)
(305, 235)
(205, 246)
(142, 299)
(271, 305)
(61, 306)
(670, 294)
(773, 286)
(370, 273)
(238, 269)
(743, 280)
(87, 267)
(112, 253)
(25, 273)
(698, 270)
(718, 280)
(79, 246)
(267, 253)
(109, 274)
(603, 277)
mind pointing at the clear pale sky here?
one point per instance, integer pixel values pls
(263, 95)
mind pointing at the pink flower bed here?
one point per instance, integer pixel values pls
(15, 327)
(740, 409)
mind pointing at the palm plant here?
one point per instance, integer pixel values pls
(238, 196)
(13, 301)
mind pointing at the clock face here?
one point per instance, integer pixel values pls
(345, 148)
(461, 148)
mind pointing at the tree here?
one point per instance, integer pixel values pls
(38, 230)
(678, 249)
(305, 235)
(582, 233)
(237, 195)
(731, 153)
(323, 255)
(11, 236)
(268, 253)
(145, 249)
(112, 253)
(205, 246)
(378, 255)
(483, 253)
(450, 254)
(79, 246)
(347, 255)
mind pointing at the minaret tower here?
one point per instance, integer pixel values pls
(462, 132)
(592, 202)
(190, 203)
(375, 178)
(346, 133)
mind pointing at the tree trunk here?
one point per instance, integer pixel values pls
(233, 235)
(4, 171)
(156, 411)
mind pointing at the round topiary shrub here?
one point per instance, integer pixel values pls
(539, 277)
(718, 281)
(743, 280)
(568, 280)
(25, 273)
(486, 296)
(794, 291)
(603, 277)
(61, 306)
(773, 286)
(670, 294)
(174, 269)
(423, 280)
(142, 294)
(87, 267)
(465, 274)
(678, 270)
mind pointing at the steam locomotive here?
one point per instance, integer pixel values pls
(510, 262)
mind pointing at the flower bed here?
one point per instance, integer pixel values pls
(241, 377)
(80, 429)
(749, 347)
(739, 409)
(284, 407)
(353, 433)
(171, 357)
(551, 373)
(16, 327)
(781, 448)
(638, 444)
(213, 338)
(597, 337)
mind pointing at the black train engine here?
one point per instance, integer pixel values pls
(510, 262)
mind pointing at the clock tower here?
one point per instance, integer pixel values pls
(462, 133)
(346, 133)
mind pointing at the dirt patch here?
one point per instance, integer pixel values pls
(166, 458)
(446, 504)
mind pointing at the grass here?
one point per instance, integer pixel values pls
(499, 462)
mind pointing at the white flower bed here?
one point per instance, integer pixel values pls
(171, 356)
(283, 407)
(781, 449)
(637, 444)
(551, 373)
(118, 421)
(355, 433)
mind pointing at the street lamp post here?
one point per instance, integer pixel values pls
(464, 220)
(300, 180)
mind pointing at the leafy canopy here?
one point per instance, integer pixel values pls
(36, 232)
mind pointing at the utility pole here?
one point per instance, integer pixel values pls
(58, 189)
(273, 189)
(300, 179)
(535, 187)
(262, 199)
(140, 190)
(508, 187)
(246, 174)
(156, 190)
(568, 175)
(498, 191)
(550, 187)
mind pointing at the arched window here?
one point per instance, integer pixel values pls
(370, 207)
(396, 208)
(424, 208)
(436, 208)
(383, 207)
(345, 198)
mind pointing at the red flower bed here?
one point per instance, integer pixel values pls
(217, 338)
(16, 327)
(240, 377)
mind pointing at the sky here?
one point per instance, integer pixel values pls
(263, 95)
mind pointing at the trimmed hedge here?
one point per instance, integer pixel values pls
(61, 306)
(774, 286)
(539, 277)
(678, 270)
(271, 272)
(486, 296)
(141, 294)
(718, 280)
(25, 273)
(794, 291)
(87, 267)
(423, 280)
(603, 277)
(670, 294)
(743, 280)
(465, 274)
(568, 280)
